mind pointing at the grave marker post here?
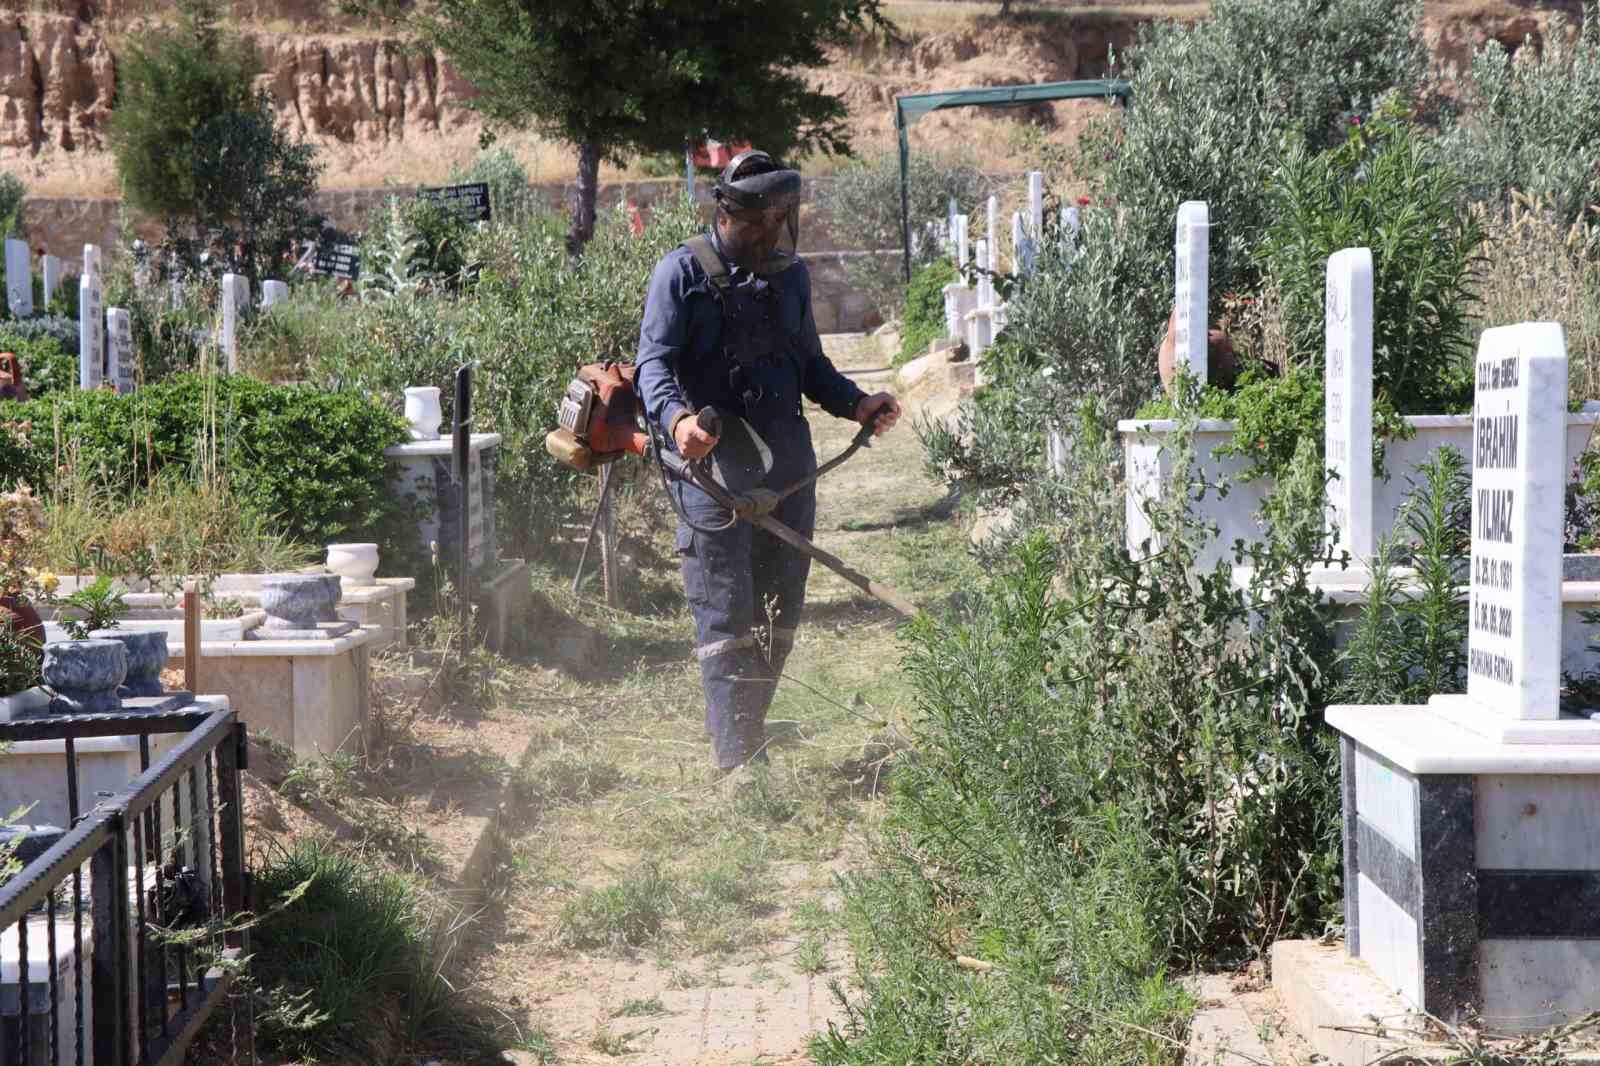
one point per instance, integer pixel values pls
(19, 278)
(1347, 398)
(119, 349)
(963, 248)
(235, 298)
(1192, 255)
(992, 235)
(1035, 204)
(274, 293)
(50, 267)
(91, 327)
(91, 259)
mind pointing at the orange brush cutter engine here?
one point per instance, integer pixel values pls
(599, 418)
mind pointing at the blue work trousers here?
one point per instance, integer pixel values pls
(746, 589)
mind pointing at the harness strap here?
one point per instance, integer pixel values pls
(704, 254)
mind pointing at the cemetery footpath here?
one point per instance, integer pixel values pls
(649, 916)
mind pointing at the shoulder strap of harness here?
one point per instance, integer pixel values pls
(710, 261)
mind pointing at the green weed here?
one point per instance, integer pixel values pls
(640, 1008)
(811, 957)
(363, 946)
(629, 913)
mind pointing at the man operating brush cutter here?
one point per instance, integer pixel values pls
(728, 327)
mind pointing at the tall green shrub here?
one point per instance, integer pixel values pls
(1119, 769)
(1384, 188)
(862, 205)
(1531, 121)
(924, 318)
(12, 194)
(309, 460)
(536, 315)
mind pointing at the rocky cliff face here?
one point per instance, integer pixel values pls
(384, 111)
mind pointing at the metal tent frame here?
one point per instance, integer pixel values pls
(911, 107)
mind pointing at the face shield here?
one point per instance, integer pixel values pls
(758, 214)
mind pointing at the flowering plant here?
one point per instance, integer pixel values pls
(21, 525)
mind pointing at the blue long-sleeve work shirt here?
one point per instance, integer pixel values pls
(681, 366)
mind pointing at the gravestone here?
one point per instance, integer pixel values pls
(19, 278)
(992, 236)
(119, 350)
(50, 267)
(91, 259)
(952, 212)
(1518, 503)
(959, 297)
(1348, 401)
(91, 327)
(1192, 255)
(985, 281)
(963, 247)
(1471, 857)
(1021, 255)
(1070, 223)
(470, 201)
(235, 300)
(273, 293)
(1035, 203)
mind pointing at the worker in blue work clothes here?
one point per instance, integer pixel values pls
(728, 324)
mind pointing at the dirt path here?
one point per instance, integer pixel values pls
(649, 917)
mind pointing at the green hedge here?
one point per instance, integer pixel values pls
(310, 460)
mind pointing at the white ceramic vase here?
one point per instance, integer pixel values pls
(356, 564)
(422, 412)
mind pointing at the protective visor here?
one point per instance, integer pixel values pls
(759, 220)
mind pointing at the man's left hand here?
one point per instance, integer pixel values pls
(882, 406)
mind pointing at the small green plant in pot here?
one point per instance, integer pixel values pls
(97, 605)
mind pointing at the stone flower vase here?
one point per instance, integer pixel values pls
(356, 564)
(85, 675)
(299, 601)
(423, 416)
(147, 655)
(24, 621)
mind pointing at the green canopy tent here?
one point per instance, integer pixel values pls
(907, 109)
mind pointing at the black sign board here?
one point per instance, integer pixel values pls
(340, 260)
(470, 201)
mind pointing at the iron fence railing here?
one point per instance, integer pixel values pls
(120, 940)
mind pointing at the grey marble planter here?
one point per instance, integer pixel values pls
(299, 601)
(84, 675)
(147, 654)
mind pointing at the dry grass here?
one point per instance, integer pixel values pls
(1540, 269)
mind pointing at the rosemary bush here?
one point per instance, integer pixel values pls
(1118, 769)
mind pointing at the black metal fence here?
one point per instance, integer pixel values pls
(124, 935)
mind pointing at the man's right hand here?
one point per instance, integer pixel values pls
(692, 441)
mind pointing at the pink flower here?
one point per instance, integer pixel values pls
(1084, 201)
(1355, 120)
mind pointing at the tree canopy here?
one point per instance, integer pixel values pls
(615, 77)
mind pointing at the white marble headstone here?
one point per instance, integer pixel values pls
(952, 209)
(963, 249)
(235, 298)
(992, 235)
(19, 278)
(119, 349)
(1518, 508)
(1035, 203)
(50, 268)
(274, 292)
(1347, 398)
(1069, 223)
(985, 282)
(91, 330)
(1192, 253)
(92, 259)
